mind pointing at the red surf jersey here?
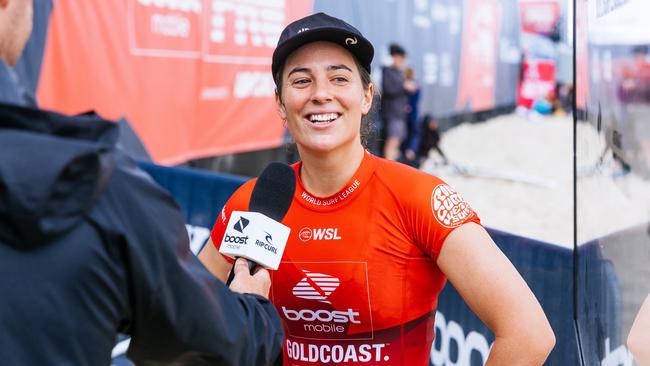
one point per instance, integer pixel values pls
(358, 283)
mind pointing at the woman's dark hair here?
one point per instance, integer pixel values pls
(366, 129)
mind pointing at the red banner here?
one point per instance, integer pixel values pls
(192, 77)
(539, 16)
(582, 54)
(538, 82)
(477, 79)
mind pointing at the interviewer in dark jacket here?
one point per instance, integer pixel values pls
(90, 246)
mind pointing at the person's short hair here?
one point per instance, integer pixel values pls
(396, 50)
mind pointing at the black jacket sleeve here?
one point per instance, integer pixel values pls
(179, 311)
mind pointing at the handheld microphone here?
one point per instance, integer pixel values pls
(257, 234)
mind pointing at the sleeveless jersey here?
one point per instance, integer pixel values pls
(358, 282)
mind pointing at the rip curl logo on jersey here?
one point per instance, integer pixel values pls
(449, 208)
(241, 224)
(316, 286)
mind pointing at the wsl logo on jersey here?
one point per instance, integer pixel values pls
(328, 233)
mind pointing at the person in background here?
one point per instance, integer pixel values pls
(412, 141)
(91, 247)
(430, 140)
(372, 241)
(394, 101)
(561, 100)
(635, 81)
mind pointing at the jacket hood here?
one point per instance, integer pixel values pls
(52, 169)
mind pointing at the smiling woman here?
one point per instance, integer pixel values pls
(323, 101)
(364, 74)
(372, 241)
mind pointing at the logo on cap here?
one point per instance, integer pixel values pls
(241, 224)
(351, 40)
(302, 30)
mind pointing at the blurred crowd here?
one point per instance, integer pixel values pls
(404, 135)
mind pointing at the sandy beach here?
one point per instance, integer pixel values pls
(517, 173)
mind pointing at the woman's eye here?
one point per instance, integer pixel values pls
(340, 79)
(299, 82)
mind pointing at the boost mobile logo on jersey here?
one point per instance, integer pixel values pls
(329, 233)
(449, 208)
(325, 300)
(316, 286)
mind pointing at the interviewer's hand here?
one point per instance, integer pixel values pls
(258, 284)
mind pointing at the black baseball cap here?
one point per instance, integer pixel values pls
(322, 27)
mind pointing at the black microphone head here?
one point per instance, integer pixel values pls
(273, 191)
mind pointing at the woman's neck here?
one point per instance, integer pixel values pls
(323, 174)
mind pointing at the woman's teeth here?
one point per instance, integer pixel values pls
(325, 117)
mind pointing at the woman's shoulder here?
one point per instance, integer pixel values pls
(423, 196)
(239, 199)
(402, 174)
(405, 181)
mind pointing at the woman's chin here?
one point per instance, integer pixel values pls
(326, 144)
(321, 145)
(321, 148)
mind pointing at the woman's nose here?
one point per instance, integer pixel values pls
(321, 92)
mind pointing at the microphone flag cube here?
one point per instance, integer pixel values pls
(255, 236)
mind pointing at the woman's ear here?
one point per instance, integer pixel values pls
(366, 104)
(282, 112)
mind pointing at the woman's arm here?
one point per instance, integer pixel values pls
(214, 261)
(638, 341)
(495, 291)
